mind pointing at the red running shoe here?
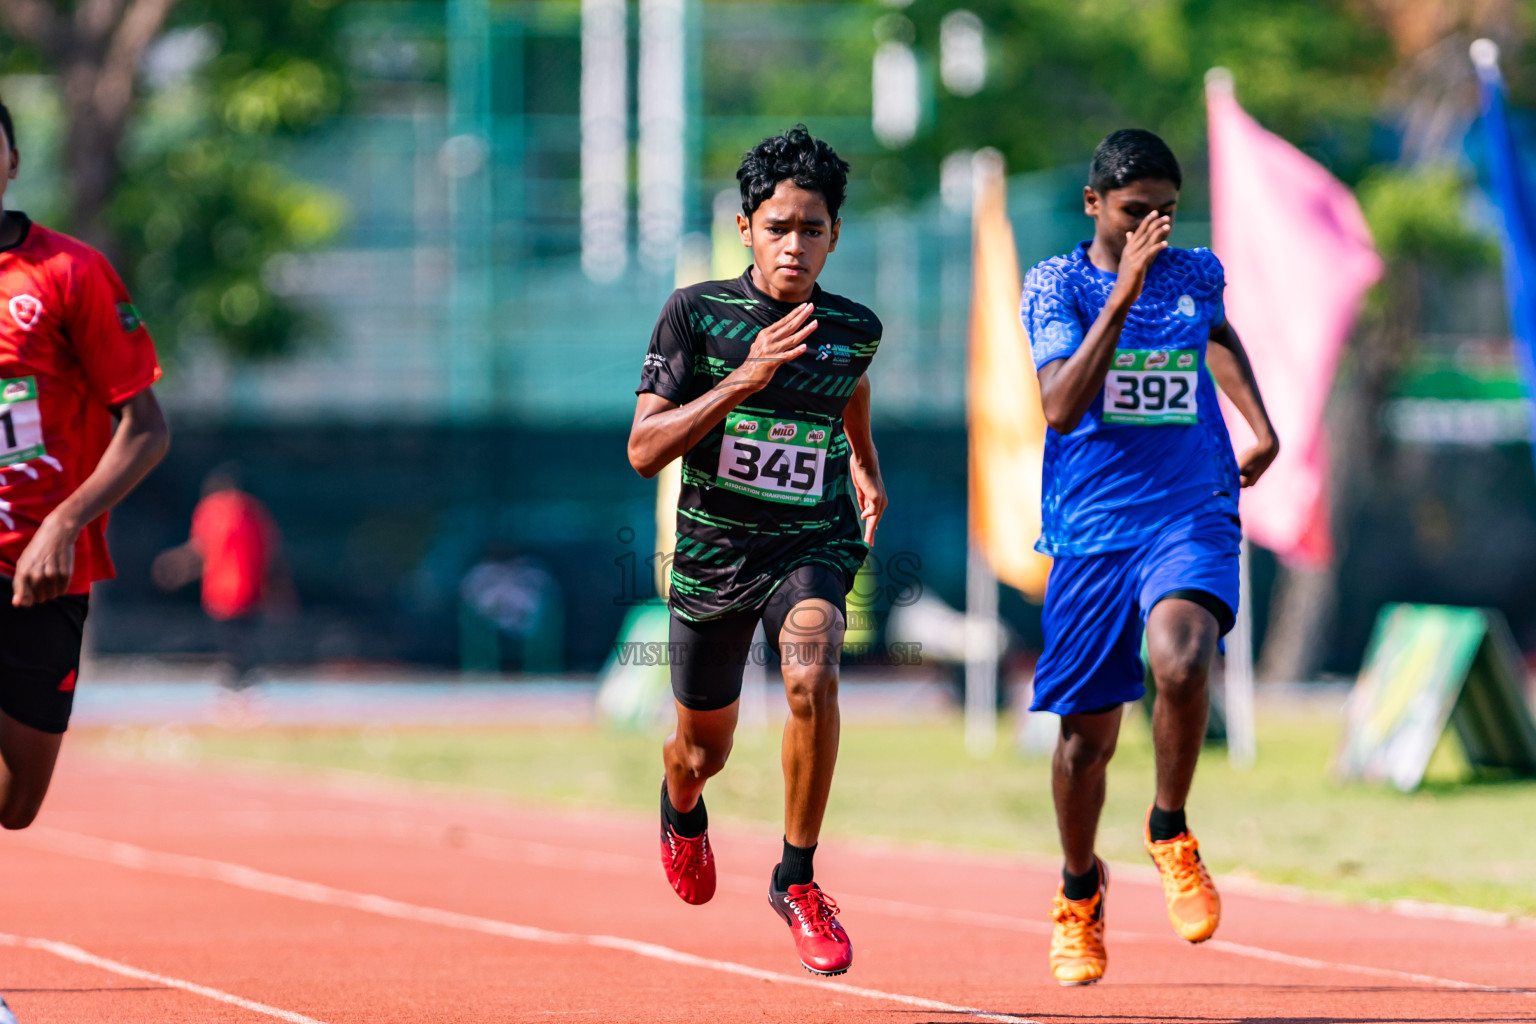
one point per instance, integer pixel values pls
(689, 863)
(811, 914)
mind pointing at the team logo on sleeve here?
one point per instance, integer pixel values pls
(1186, 307)
(128, 316)
(27, 310)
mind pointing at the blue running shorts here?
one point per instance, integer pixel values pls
(1096, 609)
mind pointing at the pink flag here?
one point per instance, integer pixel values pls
(1299, 260)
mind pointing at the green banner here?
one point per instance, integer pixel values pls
(1429, 667)
(635, 688)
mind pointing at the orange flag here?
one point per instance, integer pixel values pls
(1007, 423)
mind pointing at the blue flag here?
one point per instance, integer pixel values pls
(1512, 195)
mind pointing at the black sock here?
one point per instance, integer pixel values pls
(795, 868)
(688, 824)
(1083, 886)
(1165, 825)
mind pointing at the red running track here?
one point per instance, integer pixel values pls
(165, 894)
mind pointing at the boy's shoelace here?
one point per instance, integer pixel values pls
(816, 909)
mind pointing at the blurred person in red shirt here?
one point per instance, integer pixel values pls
(79, 428)
(234, 547)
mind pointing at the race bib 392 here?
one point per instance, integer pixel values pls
(773, 458)
(1152, 389)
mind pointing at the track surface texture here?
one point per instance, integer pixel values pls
(166, 894)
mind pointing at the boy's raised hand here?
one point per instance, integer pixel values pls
(1141, 249)
(776, 345)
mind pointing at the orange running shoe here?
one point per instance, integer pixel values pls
(1194, 906)
(1077, 944)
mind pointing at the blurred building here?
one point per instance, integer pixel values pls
(521, 179)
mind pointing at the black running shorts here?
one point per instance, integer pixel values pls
(709, 657)
(39, 658)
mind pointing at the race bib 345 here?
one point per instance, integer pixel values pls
(773, 458)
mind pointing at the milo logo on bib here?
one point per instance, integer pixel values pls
(773, 459)
(1152, 389)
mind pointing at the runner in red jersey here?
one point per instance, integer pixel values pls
(73, 357)
(234, 547)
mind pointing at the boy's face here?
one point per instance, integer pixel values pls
(790, 235)
(1120, 211)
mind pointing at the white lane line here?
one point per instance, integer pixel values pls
(553, 855)
(141, 858)
(80, 956)
(1259, 953)
(1003, 922)
(601, 862)
(259, 779)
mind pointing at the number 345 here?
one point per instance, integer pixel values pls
(801, 476)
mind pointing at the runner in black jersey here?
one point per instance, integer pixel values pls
(758, 383)
(765, 494)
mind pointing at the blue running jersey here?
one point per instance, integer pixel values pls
(1153, 446)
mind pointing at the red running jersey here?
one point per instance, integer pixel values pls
(71, 346)
(235, 537)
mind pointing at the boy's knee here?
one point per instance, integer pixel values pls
(704, 761)
(1180, 652)
(1181, 676)
(812, 690)
(1082, 752)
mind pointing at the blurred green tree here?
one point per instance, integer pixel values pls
(1416, 205)
(1418, 218)
(1062, 74)
(175, 113)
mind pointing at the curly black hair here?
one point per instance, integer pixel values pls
(1132, 154)
(795, 156)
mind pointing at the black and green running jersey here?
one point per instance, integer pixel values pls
(767, 490)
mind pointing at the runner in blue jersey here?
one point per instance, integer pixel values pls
(1140, 514)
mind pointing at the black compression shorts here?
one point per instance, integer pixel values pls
(39, 658)
(709, 657)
